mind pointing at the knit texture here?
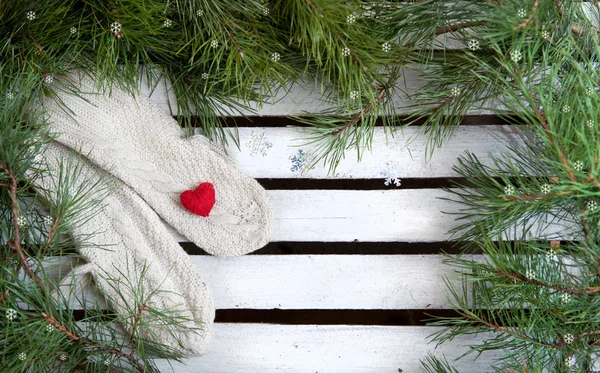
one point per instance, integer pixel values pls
(121, 239)
(143, 146)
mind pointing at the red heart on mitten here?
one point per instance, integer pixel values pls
(200, 200)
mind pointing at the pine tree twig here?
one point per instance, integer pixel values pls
(564, 289)
(136, 323)
(234, 42)
(456, 27)
(75, 338)
(354, 56)
(530, 18)
(367, 109)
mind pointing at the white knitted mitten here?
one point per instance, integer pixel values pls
(144, 147)
(119, 241)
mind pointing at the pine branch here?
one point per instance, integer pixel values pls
(366, 110)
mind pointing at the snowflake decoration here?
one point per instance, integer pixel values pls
(455, 91)
(298, 161)
(106, 362)
(391, 174)
(565, 297)
(386, 47)
(116, 28)
(9, 96)
(522, 12)
(530, 274)
(354, 95)
(49, 79)
(199, 12)
(31, 15)
(266, 10)
(48, 220)
(473, 45)
(21, 221)
(168, 23)
(346, 51)
(11, 314)
(62, 357)
(545, 189)
(509, 189)
(22, 356)
(570, 361)
(551, 255)
(275, 56)
(590, 123)
(566, 109)
(72, 191)
(49, 328)
(578, 165)
(545, 34)
(516, 56)
(258, 144)
(589, 91)
(73, 30)
(214, 44)
(204, 76)
(591, 205)
(569, 338)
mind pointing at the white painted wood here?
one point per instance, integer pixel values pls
(407, 160)
(265, 348)
(327, 281)
(403, 215)
(301, 98)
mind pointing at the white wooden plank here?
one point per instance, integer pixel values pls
(327, 281)
(401, 215)
(267, 152)
(321, 348)
(301, 98)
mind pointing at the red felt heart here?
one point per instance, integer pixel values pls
(200, 200)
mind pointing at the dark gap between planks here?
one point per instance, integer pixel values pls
(283, 121)
(413, 317)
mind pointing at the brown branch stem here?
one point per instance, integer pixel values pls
(367, 109)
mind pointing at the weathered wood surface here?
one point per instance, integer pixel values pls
(266, 348)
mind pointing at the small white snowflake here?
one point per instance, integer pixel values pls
(199, 12)
(266, 10)
(31, 15)
(455, 91)
(21, 221)
(204, 76)
(10, 96)
(522, 12)
(116, 27)
(258, 144)
(565, 297)
(551, 255)
(590, 123)
(351, 18)
(275, 56)
(106, 362)
(509, 189)
(168, 23)
(214, 44)
(49, 328)
(63, 357)
(72, 191)
(570, 361)
(569, 338)
(386, 47)
(354, 95)
(591, 205)
(578, 165)
(11, 314)
(346, 51)
(392, 174)
(516, 56)
(566, 109)
(589, 91)
(49, 79)
(48, 220)
(530, 274)
(473, 45)
(73, 30)
(545, 189)
(545, 34)
(22, 356)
